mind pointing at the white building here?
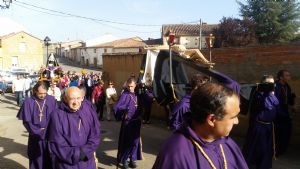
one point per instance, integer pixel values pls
(91, 54)
(188, 34)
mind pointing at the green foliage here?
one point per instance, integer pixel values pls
(277, 21)
(234, 32)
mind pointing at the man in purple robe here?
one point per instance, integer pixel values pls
(181, 110)
(128, 109)
(35, 113)
(259, 148)
(74, 133)
(205, 142)
(283, 123)
(147, 99)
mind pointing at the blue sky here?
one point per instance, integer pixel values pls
(149, 14)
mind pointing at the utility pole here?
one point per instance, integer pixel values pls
(200, 35)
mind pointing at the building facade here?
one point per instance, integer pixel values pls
(21, 50)
(192, 36)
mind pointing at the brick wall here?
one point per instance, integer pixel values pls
(248, 64)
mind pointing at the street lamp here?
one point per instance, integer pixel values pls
(46, 42)
(210, 44)
(171, 43)
(6, 4)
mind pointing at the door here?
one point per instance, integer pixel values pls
(14, 61)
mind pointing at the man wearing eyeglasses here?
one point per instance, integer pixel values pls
(74, 133)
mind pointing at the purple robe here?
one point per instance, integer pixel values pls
(129, 137)
(227, 82)
(74, 137)
(37, 144)
(146, 103)
(283, 123)
(258, 148)
(181, 113)
(179, 152)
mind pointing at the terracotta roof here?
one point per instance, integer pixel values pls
(15, 33)
(124, 43)
(188, 29)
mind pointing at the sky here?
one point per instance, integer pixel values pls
(65, 20)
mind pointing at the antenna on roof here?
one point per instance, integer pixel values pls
(6, 4)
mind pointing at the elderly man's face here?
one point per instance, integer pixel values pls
(73, 99)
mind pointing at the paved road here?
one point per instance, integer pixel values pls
(68, 65)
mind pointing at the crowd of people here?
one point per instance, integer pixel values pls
(63, 121)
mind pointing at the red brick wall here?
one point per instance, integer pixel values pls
(249, 64)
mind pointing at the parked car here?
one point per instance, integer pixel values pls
(2, 87)
(34, 78)
(10, 77)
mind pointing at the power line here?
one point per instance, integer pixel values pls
(89, 18)
(101, 23)
(41, 11)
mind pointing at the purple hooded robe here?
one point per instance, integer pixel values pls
(129, 137)
(180, 113)
(283, 123)
(258, 149)
(179, 152)
(74, 137)
(37, 143)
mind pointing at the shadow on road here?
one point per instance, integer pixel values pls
(13, 108)
(10, 97)
(11, 147)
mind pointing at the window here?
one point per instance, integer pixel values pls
(95, 50)
(105, 50)
(0, 43)
(22, 47)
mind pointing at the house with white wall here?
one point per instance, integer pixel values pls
(128, 45)
(188, 34)
(91, 54)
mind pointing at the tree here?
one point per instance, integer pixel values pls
(277, 21)
(234, 32)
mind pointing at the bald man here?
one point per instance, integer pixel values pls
(74, 133)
